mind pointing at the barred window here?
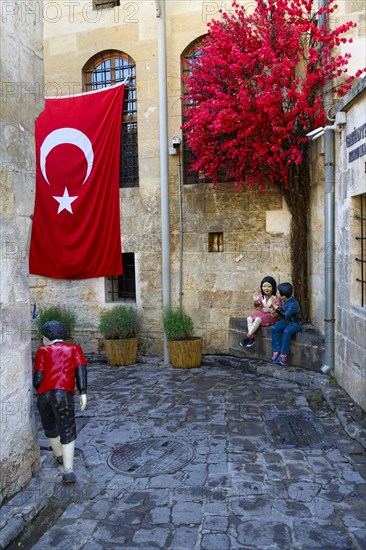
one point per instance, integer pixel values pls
(188, 58)
(122, 288)
(360, 237)
(106, 69)
(105, 4)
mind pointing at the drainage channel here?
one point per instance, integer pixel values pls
(39, 525)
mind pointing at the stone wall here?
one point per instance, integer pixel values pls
(21, 82)
(350, 313)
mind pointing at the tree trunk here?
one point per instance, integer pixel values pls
(297, 199)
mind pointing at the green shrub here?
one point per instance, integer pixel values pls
(119, 323)
(177, 324)
(56, 313)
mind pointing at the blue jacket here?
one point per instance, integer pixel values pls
(291, 310)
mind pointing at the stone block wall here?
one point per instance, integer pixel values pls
(21, 82)
(350, 313)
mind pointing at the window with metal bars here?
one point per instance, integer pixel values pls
(122, 288)
(189, 57)
(360, 217)
(105, 4)
(106, 69)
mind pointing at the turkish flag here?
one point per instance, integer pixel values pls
(76, 222)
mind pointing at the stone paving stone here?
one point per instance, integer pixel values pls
(303, 491)
(159, 515)
(184, 513)
(11, 530)
(185, 538)
(264, 534)
(298, 471)
(352, 476)
(112, 534)
(215, 541)
(63, 536)
(215, 523)
(335, 491)
(317, 535)
(156, 536)
(74, 511)
(159, 497)
(127, 517)
(321, 509)
(359, 535)
(98, 510)
(291, 508)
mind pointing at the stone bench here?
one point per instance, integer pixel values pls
(306, 352)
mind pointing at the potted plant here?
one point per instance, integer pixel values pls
(56, 313)
(119, 327)
(185, 350)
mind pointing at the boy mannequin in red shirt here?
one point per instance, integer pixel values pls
(57, 366)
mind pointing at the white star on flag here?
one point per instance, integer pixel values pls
(65, 202)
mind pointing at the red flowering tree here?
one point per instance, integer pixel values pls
(254, 93)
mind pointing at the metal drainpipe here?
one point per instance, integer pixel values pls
(164, 170)
(180, 232)
(329, 249)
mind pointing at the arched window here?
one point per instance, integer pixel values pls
(188, 59)
(103, 70)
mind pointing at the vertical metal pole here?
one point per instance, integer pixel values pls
(329, 248)
(329, 251)
(180, 232)
(164, 172)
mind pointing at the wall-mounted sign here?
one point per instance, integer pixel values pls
(352, 138)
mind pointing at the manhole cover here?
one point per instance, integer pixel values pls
(296, 429)
(151, 457)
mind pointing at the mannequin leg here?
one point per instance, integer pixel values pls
(68, 458)
(255, 326)
(56, 447)
(245, 340)
(249, 323)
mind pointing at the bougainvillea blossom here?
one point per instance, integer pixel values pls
(256, 90)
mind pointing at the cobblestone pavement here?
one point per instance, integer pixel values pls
(243, 486)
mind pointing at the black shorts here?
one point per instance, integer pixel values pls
(57, 411)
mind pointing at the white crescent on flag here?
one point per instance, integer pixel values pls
(71, 136)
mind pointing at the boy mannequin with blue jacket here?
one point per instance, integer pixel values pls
(287, 326)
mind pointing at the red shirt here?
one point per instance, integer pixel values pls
(58, 362)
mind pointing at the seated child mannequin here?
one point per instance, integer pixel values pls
(287, 326)
(266, 303)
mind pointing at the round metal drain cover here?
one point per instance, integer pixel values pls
(151, 457)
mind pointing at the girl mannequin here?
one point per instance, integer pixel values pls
(266, 303)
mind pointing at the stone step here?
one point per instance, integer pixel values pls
(306, 352)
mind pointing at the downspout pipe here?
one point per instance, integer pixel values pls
(180, 231)
(329, 248)
(164, 170)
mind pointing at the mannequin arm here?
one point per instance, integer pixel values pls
(81, 378)
(37, 379)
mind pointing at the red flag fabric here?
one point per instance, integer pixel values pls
(76, 222)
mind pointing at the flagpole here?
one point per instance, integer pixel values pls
(164, 172)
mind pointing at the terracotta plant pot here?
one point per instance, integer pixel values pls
(185, 354)
(121, 352)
